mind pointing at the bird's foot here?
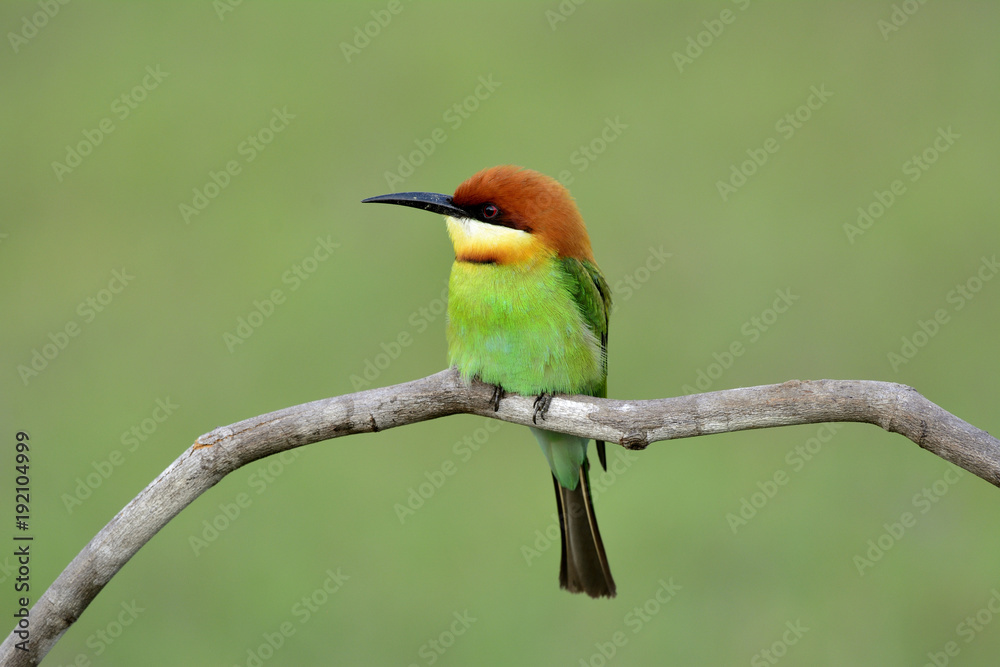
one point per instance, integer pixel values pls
(542, 403)
(498, 393)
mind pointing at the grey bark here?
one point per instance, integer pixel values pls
(631, 424)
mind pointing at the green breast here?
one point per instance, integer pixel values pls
(521, 328)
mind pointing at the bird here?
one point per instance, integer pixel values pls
(528, 313)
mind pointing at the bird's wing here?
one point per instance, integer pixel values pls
(593, 297)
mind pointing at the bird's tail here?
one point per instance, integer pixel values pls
(584, 567)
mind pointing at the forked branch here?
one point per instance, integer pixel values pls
(632, 424)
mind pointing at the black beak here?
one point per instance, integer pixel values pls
(428, 201)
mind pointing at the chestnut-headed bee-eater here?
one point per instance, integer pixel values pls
(528, 313)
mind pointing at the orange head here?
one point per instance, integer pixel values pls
(506, 215)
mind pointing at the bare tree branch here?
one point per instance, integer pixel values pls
(632, 424)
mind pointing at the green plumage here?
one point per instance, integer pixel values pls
(533, 330)
(527, 317)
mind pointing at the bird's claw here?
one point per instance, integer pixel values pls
(542, 403)
(498, 393)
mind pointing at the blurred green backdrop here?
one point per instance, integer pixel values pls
(169, 167)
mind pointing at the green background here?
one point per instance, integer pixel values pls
(333, 506)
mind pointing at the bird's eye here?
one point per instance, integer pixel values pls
(490, 211)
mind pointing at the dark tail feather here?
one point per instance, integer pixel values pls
(584, 567)
(601, 454)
